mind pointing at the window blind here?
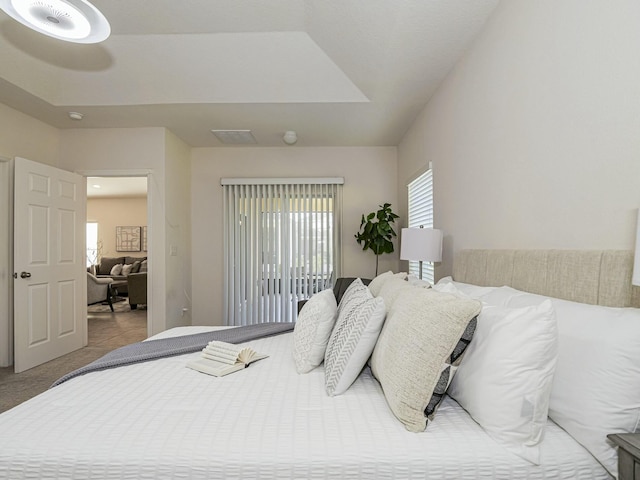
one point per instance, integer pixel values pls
(281, 245)
(420, 193)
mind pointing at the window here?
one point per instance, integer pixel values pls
(92, 243)
(281, 245)
(421, 213)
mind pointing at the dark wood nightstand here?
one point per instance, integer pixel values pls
(628, 455)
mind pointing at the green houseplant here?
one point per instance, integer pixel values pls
(376, 232)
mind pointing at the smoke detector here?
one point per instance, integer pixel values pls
(290, 137)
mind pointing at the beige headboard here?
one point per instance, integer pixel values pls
(599, 277)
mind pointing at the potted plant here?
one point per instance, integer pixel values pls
(376, 232)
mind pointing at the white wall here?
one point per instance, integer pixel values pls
(24, 136)
(115, 152)
(6, 264)
(113, 212)
(178, 231)
(534, 135)
(370, 180)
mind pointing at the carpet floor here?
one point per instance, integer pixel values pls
(106, 331)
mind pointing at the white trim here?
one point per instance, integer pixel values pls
(155, 323)
(115, 173)
(283, 181)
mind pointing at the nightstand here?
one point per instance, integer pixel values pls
(628, 455)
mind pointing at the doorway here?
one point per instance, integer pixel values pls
(118, 238)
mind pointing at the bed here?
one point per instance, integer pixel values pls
(160, 420)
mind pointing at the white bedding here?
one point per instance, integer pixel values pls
(160, 420)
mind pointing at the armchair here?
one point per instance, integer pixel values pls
(98, 290)
(137, 284)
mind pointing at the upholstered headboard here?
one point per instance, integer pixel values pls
(598, 277)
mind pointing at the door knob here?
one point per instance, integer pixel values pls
(25, 275)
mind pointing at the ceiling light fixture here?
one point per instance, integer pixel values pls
(76, 115)
(290, 137)
(75, 21)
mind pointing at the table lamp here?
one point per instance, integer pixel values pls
(421, 244)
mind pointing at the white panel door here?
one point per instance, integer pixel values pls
(50, 279)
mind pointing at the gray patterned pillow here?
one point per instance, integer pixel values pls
(424, 337)
(312, 330)
(360, 318)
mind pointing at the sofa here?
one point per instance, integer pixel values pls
(131, 265)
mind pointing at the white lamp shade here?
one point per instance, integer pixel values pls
(424, 244)
(636, 262)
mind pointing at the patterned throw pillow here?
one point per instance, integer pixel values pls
(424, 337)
(312, 330)
(360, 318)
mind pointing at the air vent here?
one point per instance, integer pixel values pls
(235, 137)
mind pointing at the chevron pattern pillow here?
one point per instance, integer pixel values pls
(313, 328)
(360, 319)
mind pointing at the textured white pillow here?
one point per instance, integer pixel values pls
(126, 269)
(504, 380)
(312, 330)
(116, 269)
(360, 319)
(597, 377)
(377, 283)
(418, 351)
(392, 288)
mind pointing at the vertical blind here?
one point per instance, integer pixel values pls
(421, 213)
(281, 245)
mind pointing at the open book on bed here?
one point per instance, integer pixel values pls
(222, 358)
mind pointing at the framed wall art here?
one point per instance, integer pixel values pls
(128, 239)
(144, 238)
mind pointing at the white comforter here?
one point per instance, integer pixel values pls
(160, 420)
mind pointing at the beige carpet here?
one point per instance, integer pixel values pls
(107, 331)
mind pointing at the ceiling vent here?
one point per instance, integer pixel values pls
(235, 137)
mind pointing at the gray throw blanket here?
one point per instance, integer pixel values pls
(168, 347)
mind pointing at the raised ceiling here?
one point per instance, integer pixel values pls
(338, 72)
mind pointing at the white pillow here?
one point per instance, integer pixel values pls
(116, 269)
(473, 291)
(377, 283)
(312, 330)
(415, 281)
(126, 269)
(596, 386)
(360, 320)
(391, 289)
(504, 380)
